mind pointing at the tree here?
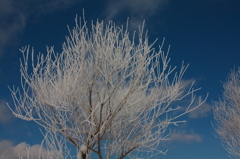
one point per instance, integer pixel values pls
(106, 94)
(227, 114)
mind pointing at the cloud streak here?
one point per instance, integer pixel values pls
(139, 8)
(136, 10)
(203, 111)
(12, 22)
(183, 136)
(15, 14)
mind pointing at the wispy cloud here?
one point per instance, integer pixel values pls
(12, 23)
(140, 8)
(15, 14)
(9, 151)
(203, 111)
(183, 136)
(5, 113)
(137, 10)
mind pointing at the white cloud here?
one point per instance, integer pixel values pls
(10, 151)
(183, 136)
(203, 111)
(5, 113)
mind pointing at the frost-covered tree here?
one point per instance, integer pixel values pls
(227, 114)
(108, 93)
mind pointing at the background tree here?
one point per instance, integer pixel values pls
(227, 114)
(106, 93)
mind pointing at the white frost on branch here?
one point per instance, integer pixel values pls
(227, 114)
(109, 91)
(82, 151)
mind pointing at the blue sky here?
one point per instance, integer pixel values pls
(203, 33)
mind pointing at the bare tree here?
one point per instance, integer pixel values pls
(227, 114)
(106, 93)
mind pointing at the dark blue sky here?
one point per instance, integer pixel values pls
(203, 33)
